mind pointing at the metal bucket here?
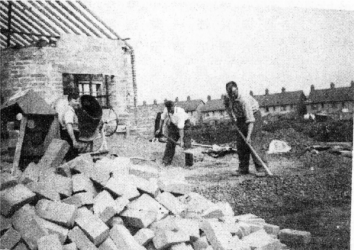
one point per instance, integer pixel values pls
(89, 116)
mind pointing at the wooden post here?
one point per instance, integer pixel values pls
(16, 163)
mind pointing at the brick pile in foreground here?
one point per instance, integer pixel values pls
(112, 205)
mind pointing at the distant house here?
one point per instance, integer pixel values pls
(192, 107)
(281, 103)
(214, 110)
(336, 101)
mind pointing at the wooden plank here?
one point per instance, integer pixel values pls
(16, 163)
(53, 132)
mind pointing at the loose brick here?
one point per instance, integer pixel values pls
(189, 226)
(233, 228)
(71, 246)
(165, 238)
(14, 198)
(175, 186)
(7, 180)
(53, 228)
(79, 199)
(261, 240)
(181, 246)
(30, 174)
(108, 244)
(171, 203)
(59, 212)
(77, 236)
(43, 190)
(81, 162)
(64, 170)
(145, 186)
(143, 171)
(5, 223)
(54, 154)
(225, 208)
(201, 243)
(49, 242)
(123, 239)
(114, 166)
(217, 235)
(119, 187)
(104, 206)
(63, 185)
(271, 229)
(144, 236)
(121, 203)
(115, 221)
(9, 239)
(94, 228)
(82, 183)
(138, 218)
(290, 236)
(21, 246)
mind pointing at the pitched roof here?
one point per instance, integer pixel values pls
(190, 105)
(331, 95)
(32, 21)
(279, 99)
(213, 105)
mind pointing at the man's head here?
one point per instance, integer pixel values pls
(170, 106)
(231, 89)
(73, 99)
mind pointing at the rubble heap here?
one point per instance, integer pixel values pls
(113, 204)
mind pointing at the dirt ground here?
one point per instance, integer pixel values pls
(299, 197)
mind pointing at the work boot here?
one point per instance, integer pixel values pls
(260, 173)
(239, 173)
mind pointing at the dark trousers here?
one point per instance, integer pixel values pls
(173, 133)
(243, 150)
(73, 152)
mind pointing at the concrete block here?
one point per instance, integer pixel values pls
(121, 203)
(171, 203)
(14, 198)
(147, 203)
(181, 246)
(255, 227)
(144, 236)
(290, 236)
(43, 190)
(108, 244)
(261, 240)
(201, 243)
(116, 220)
(53, 228)
(245, 228)
(49, 242)
(104, 206)
(123, 239)
(217, 235)
(119, 187)
(77, 236)
(167, 223)
(7, 180)
(5, 224)
(79, 199)
(54, 155)
(271, 229)
(21, 246)
(145, 186)
(63, 185)
(71, 246)
(82, 183)
(138, 218)
(25, 221)
(175, 186)
(95, 229)
(81, 162)
(144, 171)
(188, 226)
(9, 239)
(86, 167)
(117, 166)
(58, 212)
(30, 174)
(166, 238)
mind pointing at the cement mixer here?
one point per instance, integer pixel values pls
(93, 122)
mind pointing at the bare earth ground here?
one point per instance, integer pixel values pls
(296, 197)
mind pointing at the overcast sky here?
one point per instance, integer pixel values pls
(193, 48)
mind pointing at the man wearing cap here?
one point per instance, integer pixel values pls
(178, 127)
(244, 109)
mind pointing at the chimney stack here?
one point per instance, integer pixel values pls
(312, 87)
(251, 93)
(165, 100)
(332, 85)
(283, 90)
(352, 84)
(222, 96)
(188, 98)
(144, 103)
(209, 97)
(155, 102)
(176, 99)
(267, 92)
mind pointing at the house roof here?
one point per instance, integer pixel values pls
(331, 95)
(27, 22)
(279, 99)
(213, 105)
(190, 105)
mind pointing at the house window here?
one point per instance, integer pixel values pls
(313, 107)
(322, 105)
(267, 109)
(283, 108)
(343, 104)
(88, 84)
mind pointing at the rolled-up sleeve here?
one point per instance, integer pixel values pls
(164, 114)
(248, 111)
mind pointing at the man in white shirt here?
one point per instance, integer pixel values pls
(178, 126)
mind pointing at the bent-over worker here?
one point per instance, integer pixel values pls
(244, 109)
(178, 127)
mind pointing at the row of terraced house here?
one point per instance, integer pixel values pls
(337, 102)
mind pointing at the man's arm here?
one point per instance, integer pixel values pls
(70, 130)
(181, 136)
(249, 131)
(160, 127)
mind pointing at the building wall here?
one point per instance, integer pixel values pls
(146, 115)
(41, 69)
(330, 107)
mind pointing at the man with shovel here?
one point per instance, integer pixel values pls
(178, 127)
(244, 109)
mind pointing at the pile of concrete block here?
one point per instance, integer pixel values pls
(112, 204)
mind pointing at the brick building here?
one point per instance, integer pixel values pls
(281, 103)
(337, 102)
(52, 47)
